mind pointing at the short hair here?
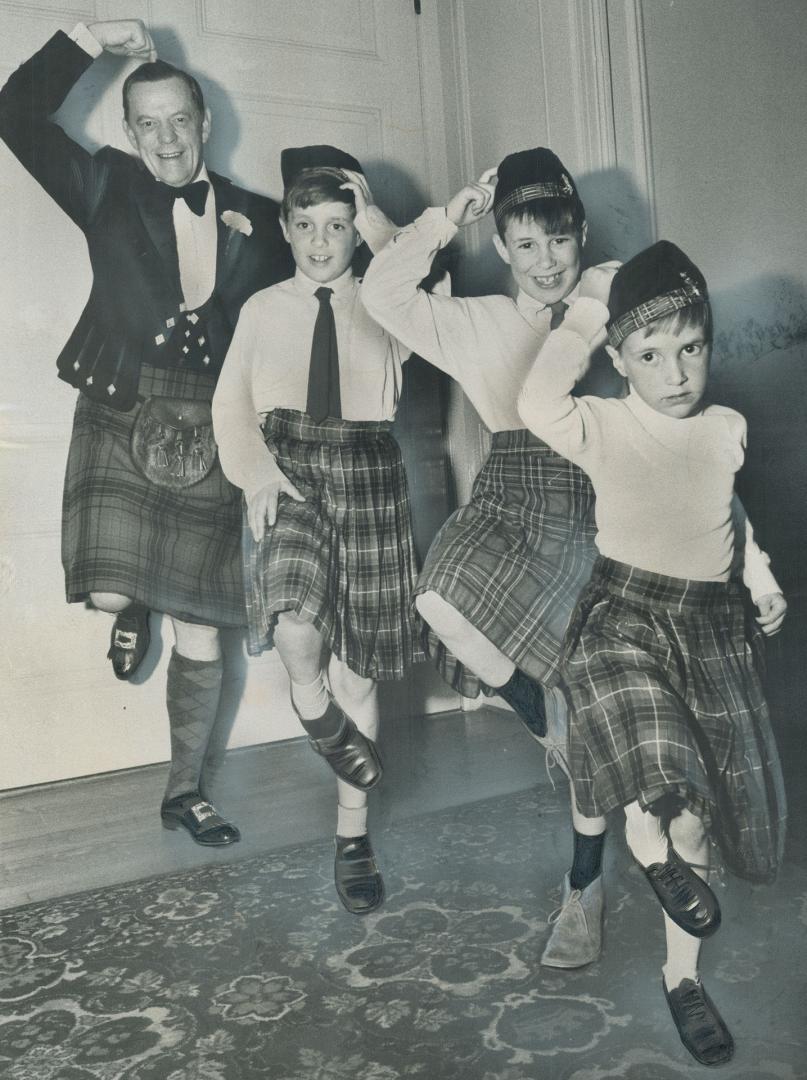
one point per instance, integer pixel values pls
(313, 186)
(693, 316)
(159, 71)
(557, 216)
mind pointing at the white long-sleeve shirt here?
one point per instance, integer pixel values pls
(664, 486)
(268, 361)
(486, 343)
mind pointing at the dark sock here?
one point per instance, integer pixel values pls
(193, 691)
(587, 861)
(526, 696)
(328, 725)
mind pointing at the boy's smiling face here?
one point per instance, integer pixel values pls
(667, 368)
(545, 266)
(323, 239)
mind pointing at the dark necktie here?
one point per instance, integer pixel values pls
(323, 374)
(195, 195)
(558, 309)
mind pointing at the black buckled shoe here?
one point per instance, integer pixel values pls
(130, 640)
(193, 812)
(358, 880)
(699, 1024)
(352, 756)
(685, 897)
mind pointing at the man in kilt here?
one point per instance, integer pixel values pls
(503, 573)
(668, 716)
(302, 414)
(149, 520)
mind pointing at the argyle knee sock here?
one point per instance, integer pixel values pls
(193, 691)
(587, 859)
(526, 696)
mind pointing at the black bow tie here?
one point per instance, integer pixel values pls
(195, 195)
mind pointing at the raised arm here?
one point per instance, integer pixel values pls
(438, 327)
(36, 90)
(546, 404)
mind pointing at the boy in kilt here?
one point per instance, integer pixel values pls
(148, 519)
(668, 718)
(501, 577)
(302, 415)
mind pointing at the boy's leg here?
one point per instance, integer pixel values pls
(485, 660)
(684, 896)
(699, 1024)
(333, 734)
(358, 880)
(193, 691)
(576, 938)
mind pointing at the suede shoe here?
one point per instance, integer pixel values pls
(352, 756)
(699, 1024)
(358, 880)
(576, 938)
(130, 640)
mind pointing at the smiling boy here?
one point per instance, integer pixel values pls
(503, 573)
(302, 416)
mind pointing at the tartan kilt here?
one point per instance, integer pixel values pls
(343, 559)
(514, 559)
(175, 552)
(663, 677)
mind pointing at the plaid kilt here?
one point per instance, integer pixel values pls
(176, 552)
(514, 559)
(663, 676)
(343, 559)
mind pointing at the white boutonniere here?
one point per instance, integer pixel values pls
(237, 222)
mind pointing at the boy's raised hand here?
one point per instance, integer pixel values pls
(596, 281)
(361, 190)
(124, 37)
(262, 505)
(772, 609)
(473, 201)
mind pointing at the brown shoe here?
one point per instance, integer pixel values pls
(699, 1024)
(576, 938)
(352, 756)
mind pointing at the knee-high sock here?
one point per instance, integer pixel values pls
(194, 688)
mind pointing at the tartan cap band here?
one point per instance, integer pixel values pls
(648, 312)
(527, 192)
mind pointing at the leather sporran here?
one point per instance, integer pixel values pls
(172, 442)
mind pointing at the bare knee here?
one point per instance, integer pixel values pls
(109, 601)
(196, 642)
(300, 646)
(439, 614)
(686, 830)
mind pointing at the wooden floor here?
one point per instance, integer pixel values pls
(80, 834)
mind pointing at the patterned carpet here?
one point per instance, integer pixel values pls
(253, 970)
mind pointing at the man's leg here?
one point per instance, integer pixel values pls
(332, 732)
(359, 884)
(130, 632)
(485, 660)
(193, 692)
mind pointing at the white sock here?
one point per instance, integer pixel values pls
(351, 820)
(682, 954)
(644, 834)
(310, 699)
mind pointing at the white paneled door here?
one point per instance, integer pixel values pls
(348, 72)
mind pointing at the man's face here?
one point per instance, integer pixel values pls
(323, 239)
(167, 130)
(667, 369)
(545, 267)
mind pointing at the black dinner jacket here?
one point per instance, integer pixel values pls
(135, 299)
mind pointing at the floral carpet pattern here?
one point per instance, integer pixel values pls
(253, 970)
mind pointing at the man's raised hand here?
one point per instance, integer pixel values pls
(472, 202)
(124, 37)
